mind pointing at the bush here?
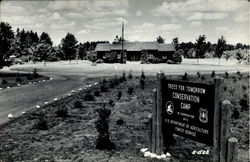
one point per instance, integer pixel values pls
(111, 57)
(142, 83)
(185, 76)
(226, 74)
(124, 76)
(119, 122)
(29, 77)
(213, 74)
(104, 88)
(198, 74)
(244, 103)
(78, 104)
(97, 93)
(35, 74)
(154, 60)
(89, 97)
(119, 95)
(143, 75)
(177, 58)
(170, 62)
(130, 75)
(130, 90)
(99, 61)
(4, 81)
(116, 81)
(41, 124)
(62, 112)
(111, 102)
(102, 125)
(18, 79)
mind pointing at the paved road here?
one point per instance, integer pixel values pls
(68, 77)
(18, 99)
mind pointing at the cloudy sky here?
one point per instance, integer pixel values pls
(91, 20)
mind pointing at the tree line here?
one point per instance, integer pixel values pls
(205, 49)
(28, 46)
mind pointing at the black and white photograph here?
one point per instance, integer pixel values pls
(124, 80)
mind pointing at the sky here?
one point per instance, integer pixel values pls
(93, 20)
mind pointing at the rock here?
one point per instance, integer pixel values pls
(168, 154)
(144, 149)
(10, 116)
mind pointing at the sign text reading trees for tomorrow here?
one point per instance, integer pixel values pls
(189, 109)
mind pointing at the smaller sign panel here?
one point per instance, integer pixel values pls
(189, 109)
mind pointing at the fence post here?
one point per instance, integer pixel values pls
(216, 131)
(159, 135)
(150, 125)
(232, 150)
(153, 145)
(225, 129)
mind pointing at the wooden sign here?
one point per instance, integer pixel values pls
(189, 109)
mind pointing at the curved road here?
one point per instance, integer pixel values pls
(69, 77)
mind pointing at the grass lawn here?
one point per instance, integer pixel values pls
(73, 137)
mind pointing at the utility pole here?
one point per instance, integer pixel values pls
(122, 56)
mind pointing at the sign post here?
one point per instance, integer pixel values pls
(195, 111)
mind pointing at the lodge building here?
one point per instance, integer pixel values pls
(134, 51)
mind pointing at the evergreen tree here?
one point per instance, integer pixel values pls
(69, 46)
(6, 37)
(220, 48)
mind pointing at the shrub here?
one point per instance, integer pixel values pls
(35, 74)
(185, 76)
(198, 74)
(97, 93)
(41, 124)
(238, 73)
(99, 61)
(213, 74)
(244, 103)
(104, 88)
(116, 81)
(78, 104)
(226, 74)
(143, 75)
(111, 102)
(124, 76)
(236, 113)
(119, 122)
(170, 62)
(62, 112)
(130, 90)
(130, 75)
(29, 77)
(119, 95)
(4, 81)
(244, 87)
(18, 79)
(102, 125)
(154, 60)
(142, 83)
(177, 57)
(110, 57)
(89, 97)
(111, 84)
(203, 78)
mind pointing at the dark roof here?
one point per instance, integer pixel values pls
(135, 46)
